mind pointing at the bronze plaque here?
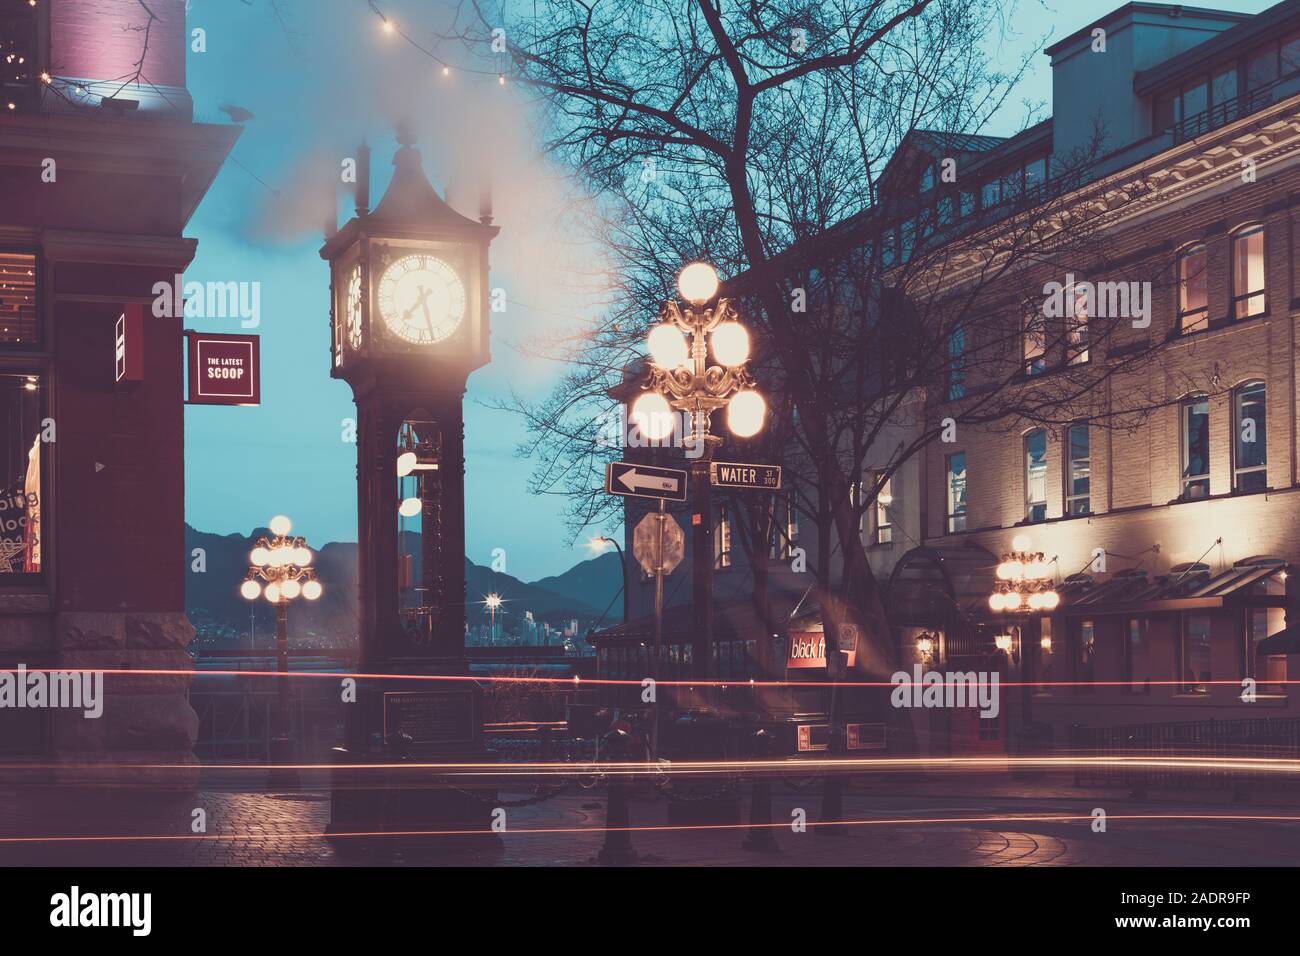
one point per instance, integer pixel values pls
(430, 718)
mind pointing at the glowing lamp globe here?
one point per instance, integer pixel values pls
(303, 557)
(995, 601)
(272, 593)
(311, 590)
(652, 415)
(1050, 600)
(410, 507)
(1002, 642)
(731, 344)
(250, 590)
(291, 589)
(745, 413)
(667, 346)
(280, 525)
(698, 283)
(1021, 542)
(259, 556)
(406, 462)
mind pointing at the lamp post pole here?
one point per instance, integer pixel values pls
(683, 379)
(279, 570)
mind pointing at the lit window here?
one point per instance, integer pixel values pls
(957, 492)
(722, 544)
(1248, 272)
(1036, 475)
(884, 525)
(17, 298)
(20, 507)
(1194, 655)
(1250, 438)
(1193, 312)
(1034, 343)
(1078, 499)
(957, 364)
(1268, 669)
(1196, 447)
(1076, 329)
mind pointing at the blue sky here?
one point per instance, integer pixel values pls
(315, 91)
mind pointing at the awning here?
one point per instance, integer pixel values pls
(1285, 641)
(1187, 587)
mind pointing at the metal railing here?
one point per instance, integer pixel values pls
(1260, 738)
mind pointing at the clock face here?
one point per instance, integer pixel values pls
(354, 308)
(421, 299)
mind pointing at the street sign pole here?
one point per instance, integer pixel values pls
(659, 631)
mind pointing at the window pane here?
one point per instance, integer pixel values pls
(1035, 172)
(1076, 330)
(20, 507)
(1036, 475)
(17, 297)
(1196, 448)
(1261, 69)
(957, 492)
(884, 524)
(991, 194)
(1034, 343)
(957, 364)
(1248, 272)
(1087, 651)
(1079, 478)
(1194, 665)
(1224, 91)
(1193, 312)
(1291, 55)
(1136, 667)
(1250, 438)
(1195, 100)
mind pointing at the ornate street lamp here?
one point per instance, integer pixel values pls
(1024, 581)
(280, 571)
(682, 378)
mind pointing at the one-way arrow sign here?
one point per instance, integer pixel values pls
(644, 481)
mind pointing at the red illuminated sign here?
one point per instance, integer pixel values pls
(224, 369)
(807, 649)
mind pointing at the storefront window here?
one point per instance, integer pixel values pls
(1137, 671)
(1087, 653)
(20, 508)
(1269, 670)
(1194, 655)
(17, 299)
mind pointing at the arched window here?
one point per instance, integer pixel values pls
(1249, 438)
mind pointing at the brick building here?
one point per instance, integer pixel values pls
(101, 167)
(1167, 512)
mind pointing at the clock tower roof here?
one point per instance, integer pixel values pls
(412, 200)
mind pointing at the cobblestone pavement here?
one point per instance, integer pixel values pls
(286, 829)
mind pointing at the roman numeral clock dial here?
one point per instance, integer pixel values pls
(421, 299)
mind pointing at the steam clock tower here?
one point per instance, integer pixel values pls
(409, 318)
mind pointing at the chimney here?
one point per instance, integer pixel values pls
(485, 197)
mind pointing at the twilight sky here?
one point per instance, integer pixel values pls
(315, 90)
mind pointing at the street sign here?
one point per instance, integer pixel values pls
(644, 481)
(727, 474)
(656, 554)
